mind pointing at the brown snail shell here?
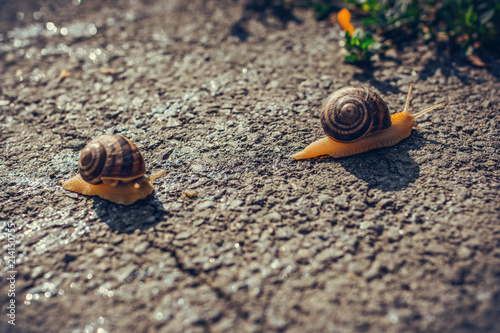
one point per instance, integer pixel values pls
(112, 168)
(110, 157)
(352, 113)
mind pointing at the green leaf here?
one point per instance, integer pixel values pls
(351, 58)
(487, 16)
(367, 42)
(370, 20)
(355, 41)
(469, 16)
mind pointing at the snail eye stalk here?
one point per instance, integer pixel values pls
(421, 113)
(407, 105)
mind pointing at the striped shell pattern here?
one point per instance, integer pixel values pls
(111, 157)
(351, 113)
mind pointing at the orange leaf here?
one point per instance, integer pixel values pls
(476, 61)
(344, 17)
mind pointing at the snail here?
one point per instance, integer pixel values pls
(357, 120)
(112, 168)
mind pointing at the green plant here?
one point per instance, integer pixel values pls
(393, 19)
(388, 19)
(469, 23)
(361, 46)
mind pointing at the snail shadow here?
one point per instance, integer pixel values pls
(141, 215)
(388, 169)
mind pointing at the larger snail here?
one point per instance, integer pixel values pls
(112, 168)
(357, 120)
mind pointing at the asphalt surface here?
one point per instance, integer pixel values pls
(238, 236)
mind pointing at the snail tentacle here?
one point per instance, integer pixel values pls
(421, 113)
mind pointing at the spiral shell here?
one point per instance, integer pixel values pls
(351, 113)
(110, 157)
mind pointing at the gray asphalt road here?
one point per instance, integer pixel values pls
(238, 236)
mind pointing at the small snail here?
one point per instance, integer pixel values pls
(357, 120)
(112, 168)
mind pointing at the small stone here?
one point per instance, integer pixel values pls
(172, 122)
(183, 235)
(353, 267)
(359, 206)
(141, 248)
(47, 211)
(117, 240)
(99, 252)
(37, 272)
(385, 202)
(303, 255)
(190, 193)
(436, 248)
(373, 272)
(461, 193)
(150, 219)
(284, 233)
(341, 202)
(464, 252)
(273, 84)
(324, 198)
(393, 235)
(277, 322)
(235, 203)
(172, 206)
(198, 222)
(274, 216)
(197, 168)
(205, 205)
(72, 195)
(124, 273)
(106, 70)
(367, 225)
(329, 254)
(63, 74)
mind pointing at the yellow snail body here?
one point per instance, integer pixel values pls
(112, 168)
(357, 120)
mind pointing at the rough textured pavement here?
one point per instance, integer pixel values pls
(401, 239)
